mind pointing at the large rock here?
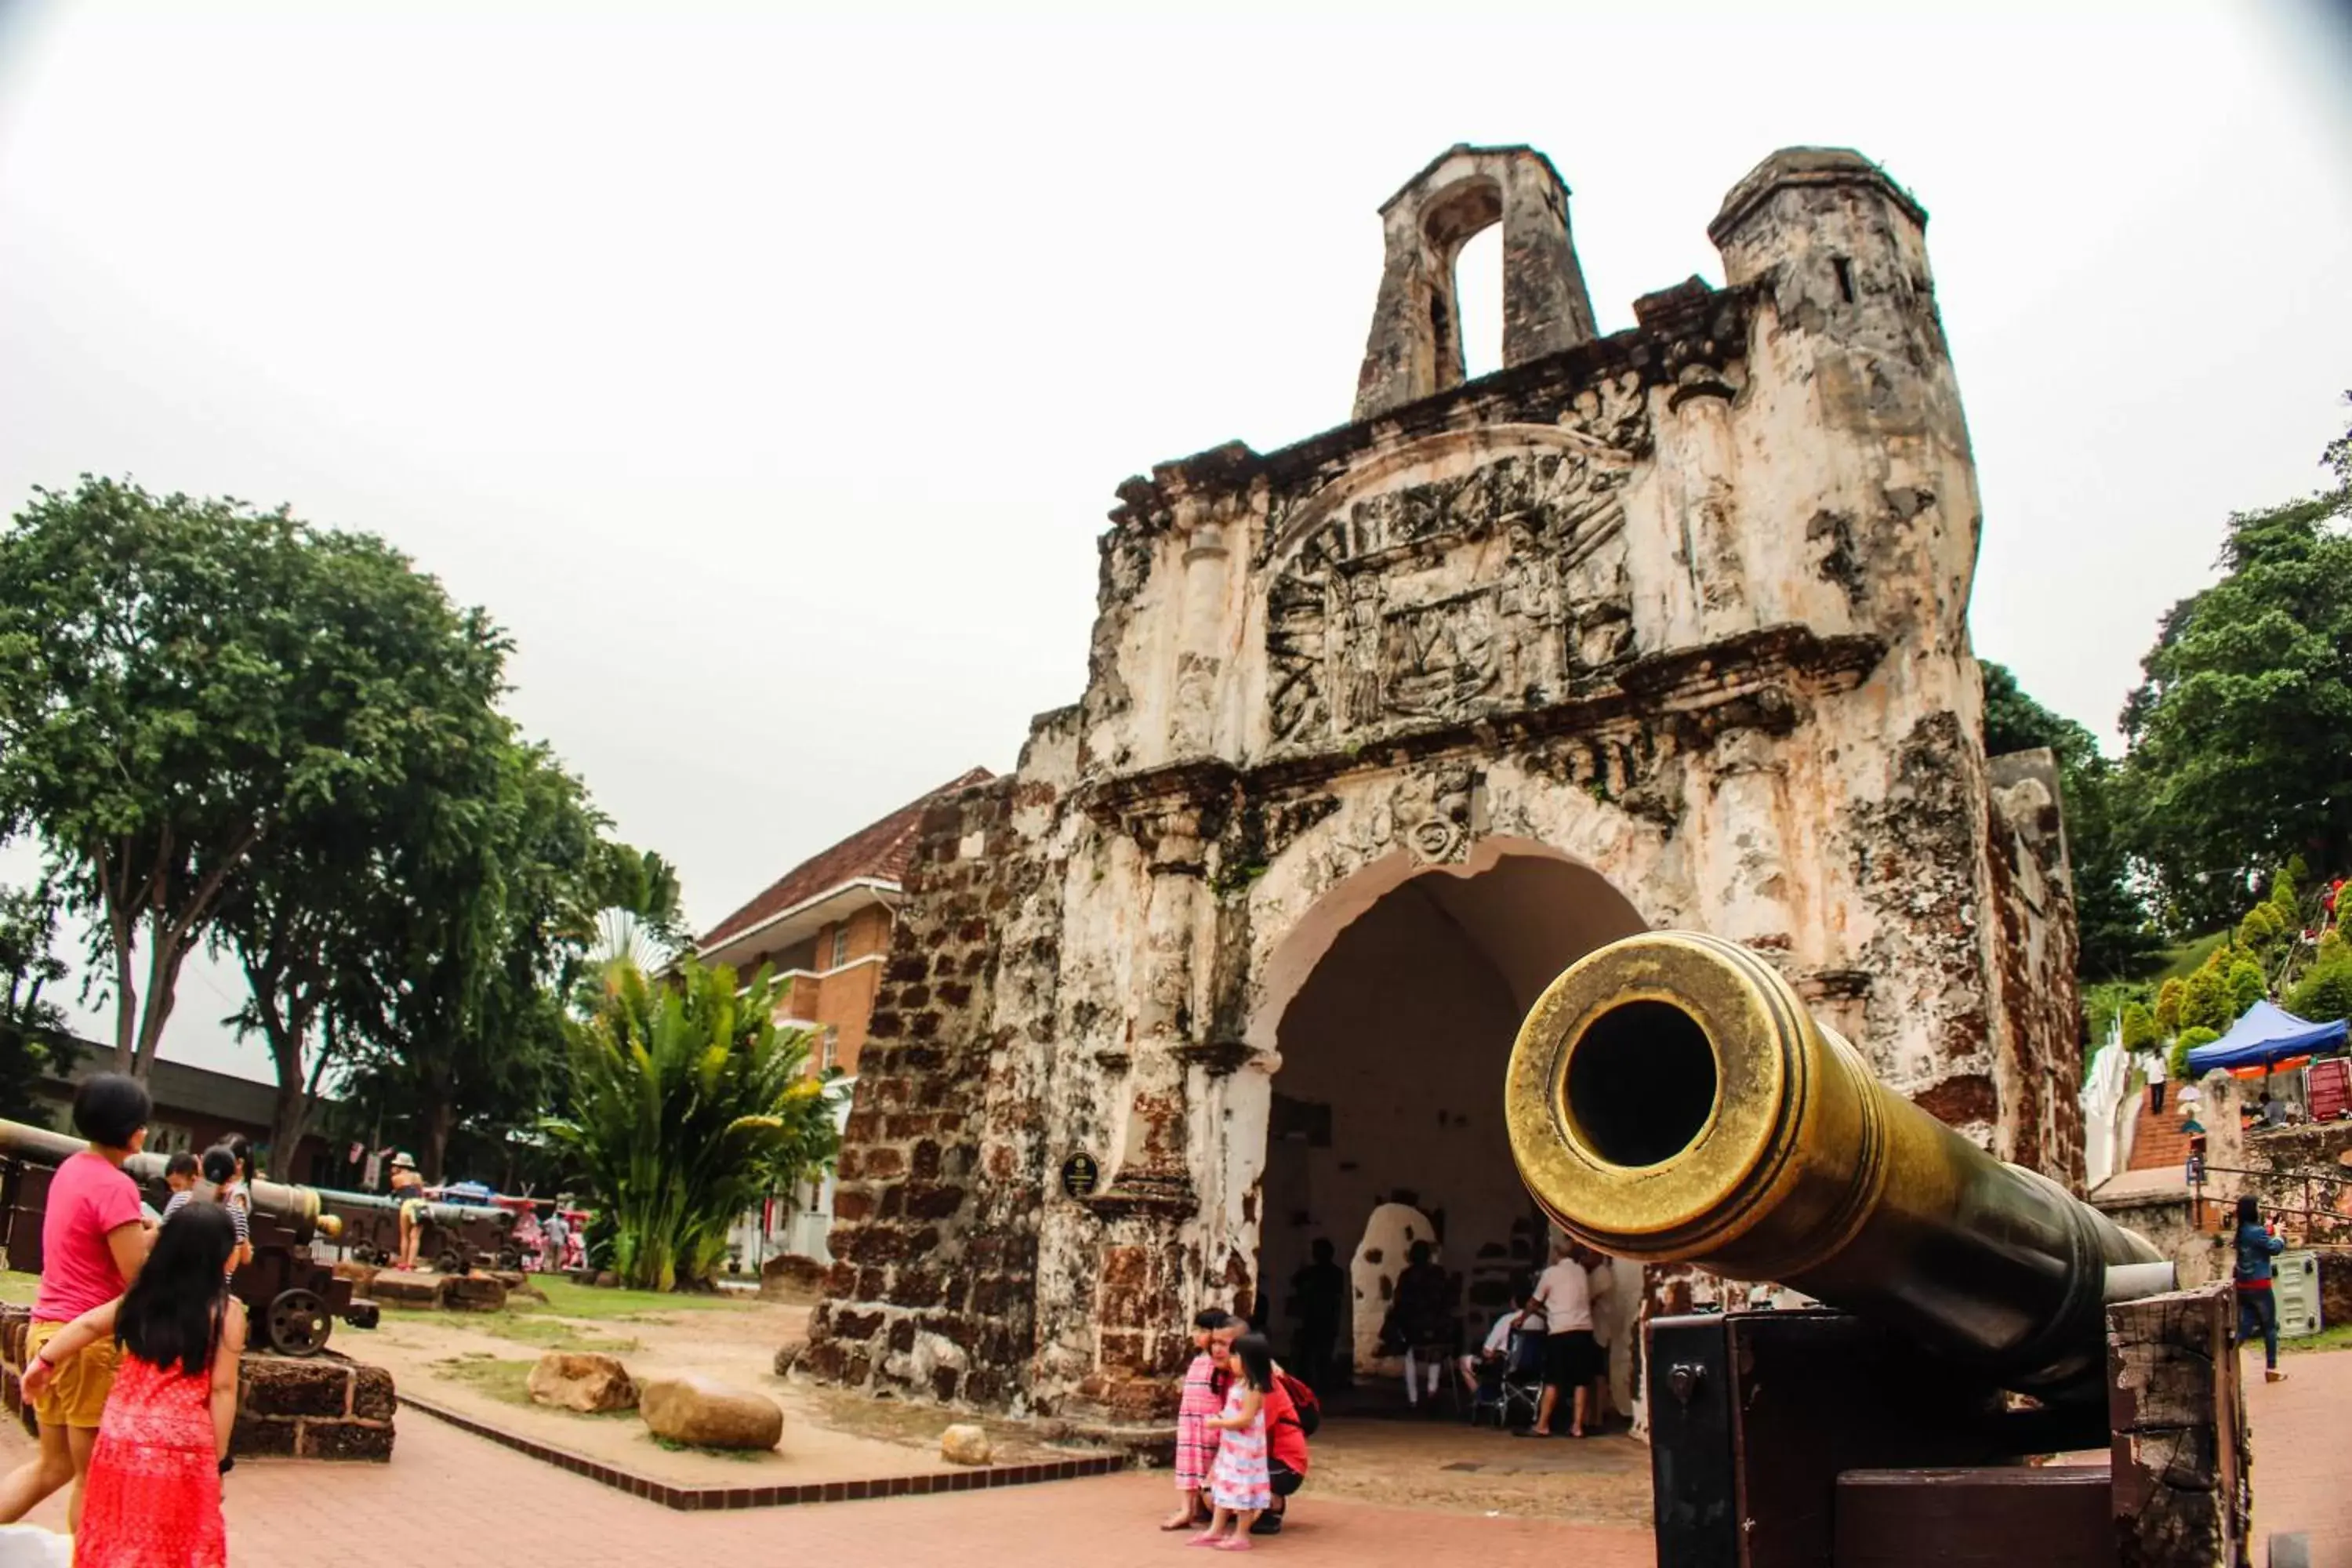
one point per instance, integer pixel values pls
(473, 1293)
(789, 1276)
(406, 1287)
(708, 1414)
(588, 1383)
(964, 1444)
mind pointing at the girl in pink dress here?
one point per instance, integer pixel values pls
(1240, 1487)
(154, 1494)
(1196, 1446)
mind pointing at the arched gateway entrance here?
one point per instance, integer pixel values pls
(1393, 1005)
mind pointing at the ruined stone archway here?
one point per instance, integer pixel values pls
(1393, 1005)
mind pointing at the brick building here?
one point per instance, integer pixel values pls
(824, 926)
(196, 1108)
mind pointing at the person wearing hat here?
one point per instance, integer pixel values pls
(408, 1189)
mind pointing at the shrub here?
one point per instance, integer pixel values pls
(2140, 1033)
(2205, 1002)
(2246, 987)
(2167, 1006)
(2190, 1039)
(2324, 992)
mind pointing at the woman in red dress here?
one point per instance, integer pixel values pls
(154, 1492)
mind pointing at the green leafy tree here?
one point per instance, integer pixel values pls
(459, 1008)
(295, 916)
(2167, 1006)
(169, 703)
(687, 1103)
(2196, 1034)
(2263, 928)
(2116, 937)
(35, 1040)
(2239, 731)
(2140, 1033)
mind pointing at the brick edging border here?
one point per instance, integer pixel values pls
(692, 1500)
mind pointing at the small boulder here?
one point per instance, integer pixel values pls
(606, 1280)
(708, 1414)
(964, 1444)
(588, 1383)
(789, 1354)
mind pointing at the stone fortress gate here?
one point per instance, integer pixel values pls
(1384, 730)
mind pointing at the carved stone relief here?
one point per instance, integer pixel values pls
(1436, 598)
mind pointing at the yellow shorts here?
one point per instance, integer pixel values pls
(77, 1394)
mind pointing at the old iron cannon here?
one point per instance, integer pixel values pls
(292, 1297)
(1670, 1101)
(456, 1235)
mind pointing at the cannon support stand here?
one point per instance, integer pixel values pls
(1818, 1439)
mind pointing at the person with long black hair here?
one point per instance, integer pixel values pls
(154, 1498)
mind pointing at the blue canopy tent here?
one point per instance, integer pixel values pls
(2266, 1035)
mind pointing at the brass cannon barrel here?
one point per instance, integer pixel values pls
(1670, 1099)
(296, 1207)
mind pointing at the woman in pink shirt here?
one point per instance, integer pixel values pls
(93, 1239)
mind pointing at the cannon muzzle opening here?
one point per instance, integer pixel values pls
(1670, 1099)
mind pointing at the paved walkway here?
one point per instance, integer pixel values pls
(2303, 1452)
(456, 1502)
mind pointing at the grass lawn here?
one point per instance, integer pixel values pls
(17, 1290)
(540, 1332)
(2180, 963)
(566, 1300)
(2334, 1337)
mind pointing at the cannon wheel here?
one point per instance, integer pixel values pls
(297, 1323)
(448, 1262)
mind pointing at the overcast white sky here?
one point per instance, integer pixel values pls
(768, 371)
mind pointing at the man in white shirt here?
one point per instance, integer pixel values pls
(2156, 1068)
(1496, 1350)
(1572, 1356)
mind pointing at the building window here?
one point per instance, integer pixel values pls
(829, 1053)
(841, 944)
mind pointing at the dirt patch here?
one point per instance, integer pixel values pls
(1446, 1464)
(478, 1363)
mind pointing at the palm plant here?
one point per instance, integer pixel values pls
(687, 1105)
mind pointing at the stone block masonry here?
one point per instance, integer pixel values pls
(296, 1408)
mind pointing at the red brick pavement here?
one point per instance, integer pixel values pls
(2303, 1452)
(455, 1501)
(452, 1500)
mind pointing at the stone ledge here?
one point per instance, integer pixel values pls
(704, 1500)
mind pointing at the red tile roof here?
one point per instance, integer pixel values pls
(880, 851)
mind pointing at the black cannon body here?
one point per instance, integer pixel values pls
(1670, 1101)
(293, 1297)
(457, 1237)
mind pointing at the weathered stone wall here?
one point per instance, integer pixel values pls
(2040, 1063)
(1679, 613)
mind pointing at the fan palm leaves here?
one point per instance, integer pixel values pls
(688, 1105)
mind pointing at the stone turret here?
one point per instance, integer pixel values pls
(1415, 350)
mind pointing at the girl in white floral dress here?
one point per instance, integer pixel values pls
(1239, 1487)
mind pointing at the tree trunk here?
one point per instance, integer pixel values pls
(289, 1122)
(438, 1115)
